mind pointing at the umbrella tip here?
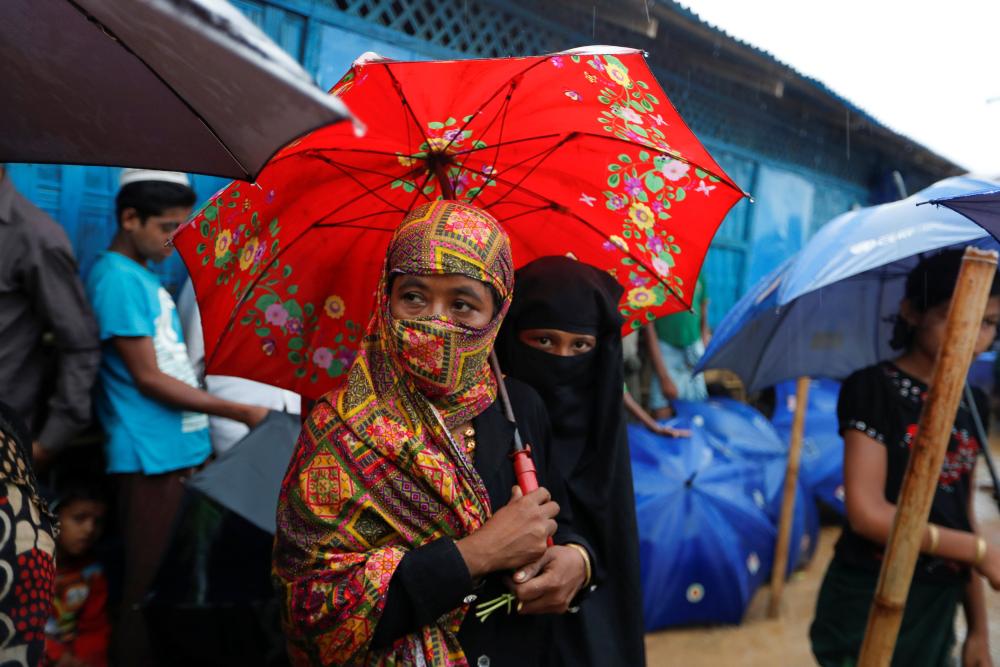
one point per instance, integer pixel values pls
(689, 482)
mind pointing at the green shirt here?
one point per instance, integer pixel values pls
(684, 328)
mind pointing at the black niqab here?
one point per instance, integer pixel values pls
(583, 396)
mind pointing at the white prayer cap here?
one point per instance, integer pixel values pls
(137, 175)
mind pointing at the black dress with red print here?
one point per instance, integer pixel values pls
(884, 403)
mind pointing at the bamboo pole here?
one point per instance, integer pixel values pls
(965, 315)
(788, 497)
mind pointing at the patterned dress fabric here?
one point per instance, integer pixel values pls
(376, 471)
(27, 547)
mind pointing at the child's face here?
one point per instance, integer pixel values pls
(930, 327)
(80, 525)
(150, 236)
(558, 342)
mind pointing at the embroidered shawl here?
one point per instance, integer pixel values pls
(376, 471)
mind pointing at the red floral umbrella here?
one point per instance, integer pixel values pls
(577, 153)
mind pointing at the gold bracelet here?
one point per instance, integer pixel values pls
(980, 551)
(586, 560)
(935, 539)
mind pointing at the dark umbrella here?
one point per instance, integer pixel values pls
(247, 478)
(186, 85)
(983, 208)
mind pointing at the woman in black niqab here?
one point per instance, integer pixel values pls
(583, 395)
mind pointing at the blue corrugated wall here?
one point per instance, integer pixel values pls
(792, 201)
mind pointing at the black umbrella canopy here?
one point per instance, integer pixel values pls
(247, 478)
(181, 85)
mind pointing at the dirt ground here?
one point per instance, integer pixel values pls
(784, 642)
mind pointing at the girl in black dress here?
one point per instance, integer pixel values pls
(562, 336)
(878, 411)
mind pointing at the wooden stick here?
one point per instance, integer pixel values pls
(965, 316)
(788, 497)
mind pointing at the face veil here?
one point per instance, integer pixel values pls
(376, 473)
(583, 396)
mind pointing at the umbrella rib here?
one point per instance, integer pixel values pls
(501, 114)
(509, 83)
(334, 149)
(543, 155)
(343, 170)
(505, 108)
(324, 158)
(469, 151)
(108, 31)
(406, 103)
(760, 358)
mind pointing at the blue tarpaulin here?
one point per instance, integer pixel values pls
(741, 432)
(822, 466)
(704, 544)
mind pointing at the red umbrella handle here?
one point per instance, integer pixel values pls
(524, 465)
(524, 470)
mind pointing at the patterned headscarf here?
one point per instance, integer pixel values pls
(376, 472)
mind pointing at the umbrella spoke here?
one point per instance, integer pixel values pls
(511, 142)
(333, 149)
(406, 105)
(346, 172)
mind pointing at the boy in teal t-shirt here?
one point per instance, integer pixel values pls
(147, 396)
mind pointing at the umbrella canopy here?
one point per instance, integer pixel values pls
(704, 544)
(829, 310)
(741, 433)
(983, 208)
(577, 153)
(247, 477)
(186, 85)
(822, 463)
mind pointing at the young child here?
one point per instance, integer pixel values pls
(77, 632)
(147, 397)
(878, 411)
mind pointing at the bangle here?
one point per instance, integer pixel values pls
(586, 560)
(980, 551)
(935, 539)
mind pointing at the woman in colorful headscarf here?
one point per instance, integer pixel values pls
(562, 336)
(397, 513)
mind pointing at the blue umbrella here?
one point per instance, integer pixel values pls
(822, 467)
(828, 311)
(704, 545)
(740, 432)
(981, 207)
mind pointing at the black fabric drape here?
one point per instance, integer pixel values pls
(589, 450)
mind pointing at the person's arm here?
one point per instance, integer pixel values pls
(647, 420)
(429, 581)
(60, 302)
(139, 356)
(976, 648)
(667, 385)
(871, 515)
